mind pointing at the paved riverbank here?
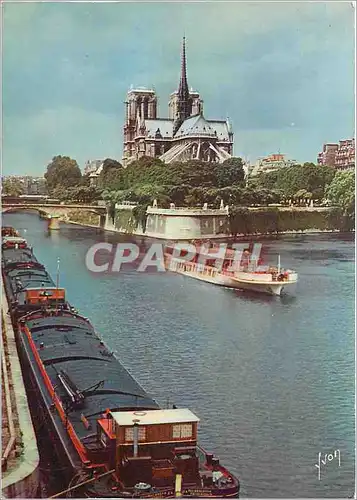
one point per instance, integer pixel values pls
(20, 457)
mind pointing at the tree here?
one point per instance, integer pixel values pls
(61, 193)
(147, 193)
(109, 163)
(290, 180)
(62, 171)
(146, 170)
(341, 192)
(194, 173)
(302, 194)
(111, 176)
(12, 187)
(177, 194)
(229, 173)
(266, 180)
(263, 196)
(196, 196)
(85, 194)
(239, 221)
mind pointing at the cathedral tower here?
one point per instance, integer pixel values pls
(141, 103)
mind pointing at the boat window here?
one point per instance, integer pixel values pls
(103, 438)
(129, 434)
(182, 431)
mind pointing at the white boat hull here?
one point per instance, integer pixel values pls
(242, 281)
(267, 288)
(221, 280)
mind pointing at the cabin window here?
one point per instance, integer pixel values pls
(103, 438)
(182, 431)
(129, 434)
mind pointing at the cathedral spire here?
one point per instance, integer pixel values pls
(183, 86)
(183, 93)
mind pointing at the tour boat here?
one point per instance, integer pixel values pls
(244, 275)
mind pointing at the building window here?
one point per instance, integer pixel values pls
(129, 434)
(182, 431)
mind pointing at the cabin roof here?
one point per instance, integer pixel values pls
(14, 239)
(149, 417)
(44, 288)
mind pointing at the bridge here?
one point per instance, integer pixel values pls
(53, 210)
(56, 211)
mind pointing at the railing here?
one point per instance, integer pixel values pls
(49, 205)
(194, 208)
(189, 210)
(192, 267)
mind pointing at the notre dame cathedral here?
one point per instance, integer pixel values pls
(184, 135)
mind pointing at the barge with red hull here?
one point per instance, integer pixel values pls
(110, 436)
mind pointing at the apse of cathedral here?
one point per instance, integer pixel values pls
(185, 135)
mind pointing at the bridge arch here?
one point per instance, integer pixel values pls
(71, 213)
(25, 208)
(52, 209)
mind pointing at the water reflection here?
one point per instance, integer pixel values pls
(272, 378)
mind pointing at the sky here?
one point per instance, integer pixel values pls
(282, 72)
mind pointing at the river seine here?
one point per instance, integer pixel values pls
(272, 379)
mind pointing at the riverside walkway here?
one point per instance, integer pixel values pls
(19, 453)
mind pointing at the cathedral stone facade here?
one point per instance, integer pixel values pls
(185, 135)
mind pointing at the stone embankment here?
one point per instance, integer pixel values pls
(19, 453)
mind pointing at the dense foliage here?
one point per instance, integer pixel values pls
(111, 176)
(307, 180)
(274, 221)
(79, 194)
(194, 183)
(12, 187)
(66, 183)
(62, 172)
(185, 184)
(341, 193)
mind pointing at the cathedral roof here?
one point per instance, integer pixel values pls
(195, 125)
(164, 125)
(222, 128)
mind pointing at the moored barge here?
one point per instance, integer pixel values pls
(111, 438)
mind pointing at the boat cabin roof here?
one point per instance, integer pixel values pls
(44, 289)
(14, 239)
(150, 417)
